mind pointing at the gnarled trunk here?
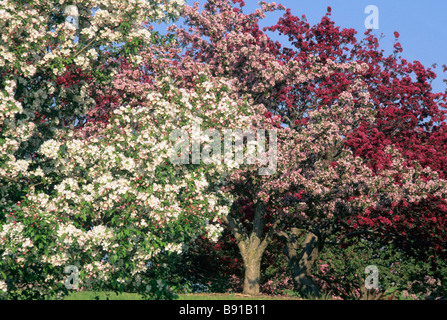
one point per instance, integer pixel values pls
(301, 264)
(252, 246)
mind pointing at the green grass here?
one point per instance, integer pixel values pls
(90, 295)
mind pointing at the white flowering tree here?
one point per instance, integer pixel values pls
(109, 204)
(114, 205)
(54, 57)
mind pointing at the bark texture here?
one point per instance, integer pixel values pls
(302, 263)
(252, 245)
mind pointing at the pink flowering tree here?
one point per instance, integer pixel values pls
(323, 96)
(318, 186)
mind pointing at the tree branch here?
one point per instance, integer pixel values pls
(85, 47)
(237, 229)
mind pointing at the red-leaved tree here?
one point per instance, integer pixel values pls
(408, 115)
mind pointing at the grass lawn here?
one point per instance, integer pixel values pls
(90, 295)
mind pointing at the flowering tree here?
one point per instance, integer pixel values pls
(320, 184)
(53, 54)
(359, 141)
(51, 68)
(305, 86)
(409, 116)
(105, 198)
(113, 204)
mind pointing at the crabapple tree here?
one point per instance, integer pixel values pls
(106, 198)
(114, 204)
(405, 130)
(51, 69)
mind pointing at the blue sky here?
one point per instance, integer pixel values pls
(422, 25)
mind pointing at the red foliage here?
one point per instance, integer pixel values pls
(410, 115)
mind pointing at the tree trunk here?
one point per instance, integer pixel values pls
(252, 246)
(251, 255)
(301, 265)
